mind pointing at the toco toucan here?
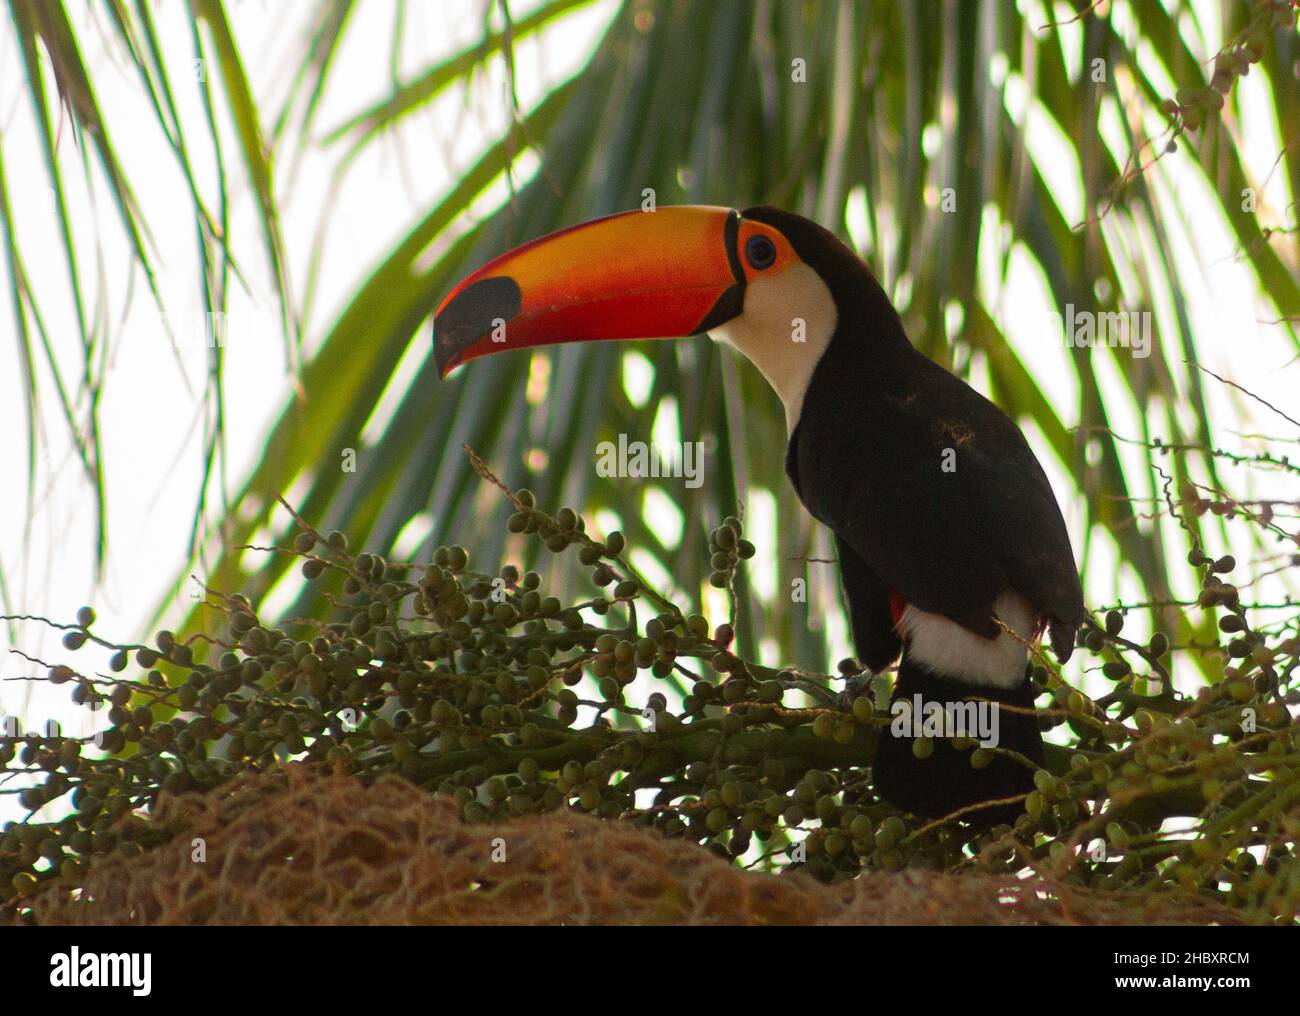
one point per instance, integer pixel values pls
(951, 545)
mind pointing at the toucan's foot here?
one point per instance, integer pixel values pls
(855, 686)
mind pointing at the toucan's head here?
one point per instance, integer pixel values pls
(760, 280)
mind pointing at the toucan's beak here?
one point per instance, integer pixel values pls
(637, 275)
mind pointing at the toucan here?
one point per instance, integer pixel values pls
(951, 545)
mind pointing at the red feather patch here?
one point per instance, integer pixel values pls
(896, 605)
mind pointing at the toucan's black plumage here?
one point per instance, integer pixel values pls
(952, 548)
(946, 780)
(865, 459)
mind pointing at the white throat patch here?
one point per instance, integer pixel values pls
(786, 325)
(948, 649)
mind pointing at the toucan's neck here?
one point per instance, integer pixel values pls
(868, 356)
(869, 350)
(823, 336)
(869, 324)
(786, 327)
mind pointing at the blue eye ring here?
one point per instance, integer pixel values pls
(760, 252)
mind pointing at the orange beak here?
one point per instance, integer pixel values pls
(636, 275)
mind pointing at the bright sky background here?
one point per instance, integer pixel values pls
(151, 413)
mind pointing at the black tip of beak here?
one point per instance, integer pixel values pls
(471, 314)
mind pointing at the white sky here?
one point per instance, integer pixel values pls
(151, 416)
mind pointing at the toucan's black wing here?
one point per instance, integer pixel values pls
(939, 496)
(870, 618)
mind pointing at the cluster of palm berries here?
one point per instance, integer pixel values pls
(727, 549)
(566, 529)
(486, 689)
(1194, 106)
(743, 799)
(466, 683)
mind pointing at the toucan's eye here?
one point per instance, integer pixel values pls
(760, 252)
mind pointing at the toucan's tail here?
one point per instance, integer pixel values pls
(917, 767)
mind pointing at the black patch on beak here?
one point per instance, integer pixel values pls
(470, 315)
